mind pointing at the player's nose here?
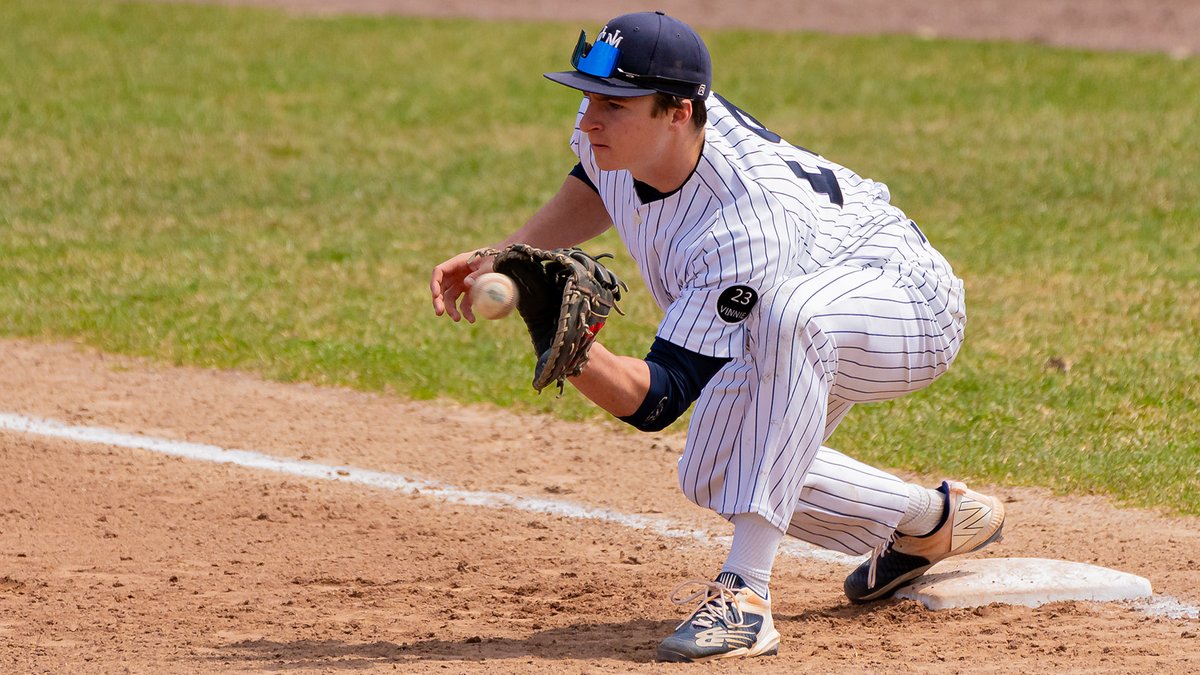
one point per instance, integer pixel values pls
(589, 122)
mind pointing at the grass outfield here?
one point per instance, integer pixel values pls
(240, 188)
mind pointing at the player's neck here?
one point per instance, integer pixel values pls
(670, 170)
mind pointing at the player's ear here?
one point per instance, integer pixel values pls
(682, 115)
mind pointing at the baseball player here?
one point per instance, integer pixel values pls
(791, 289)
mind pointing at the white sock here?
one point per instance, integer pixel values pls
(755, 542)
(924, 511)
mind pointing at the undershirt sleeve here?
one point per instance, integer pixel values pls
(677, 376)
(579, 173)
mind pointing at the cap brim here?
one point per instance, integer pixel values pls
(605, 86)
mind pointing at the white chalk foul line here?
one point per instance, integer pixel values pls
(1160, 605)
(379, 479)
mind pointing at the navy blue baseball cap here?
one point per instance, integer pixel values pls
(639, 54)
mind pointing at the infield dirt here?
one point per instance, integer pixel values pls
(116, 560)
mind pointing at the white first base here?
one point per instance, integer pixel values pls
(1020, 581)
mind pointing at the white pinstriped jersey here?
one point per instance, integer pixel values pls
(751, 215)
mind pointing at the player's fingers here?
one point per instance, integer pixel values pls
(449, 298)
(439, 306)
(435, 290)
(482, 265)
(469, 281)
(474, 276)
(464, 306)
(449, 283)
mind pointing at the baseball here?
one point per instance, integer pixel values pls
(493, 295)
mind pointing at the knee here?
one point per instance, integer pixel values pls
(696, 491)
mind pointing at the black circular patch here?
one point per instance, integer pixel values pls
(735, 303)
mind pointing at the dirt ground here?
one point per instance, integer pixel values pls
(113, 558)
(119, 560)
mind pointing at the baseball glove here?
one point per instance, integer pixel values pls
(564, 295)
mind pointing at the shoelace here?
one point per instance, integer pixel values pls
(876, 554)
(716, 603)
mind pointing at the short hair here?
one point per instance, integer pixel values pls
(665, 102)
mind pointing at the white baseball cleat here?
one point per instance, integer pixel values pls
(972, 521)
(731, 622)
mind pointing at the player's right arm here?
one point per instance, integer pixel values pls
(573, 215)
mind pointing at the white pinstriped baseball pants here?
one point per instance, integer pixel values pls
(818, 344)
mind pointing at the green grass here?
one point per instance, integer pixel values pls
(246, 189)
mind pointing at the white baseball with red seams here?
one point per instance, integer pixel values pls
(493, 295)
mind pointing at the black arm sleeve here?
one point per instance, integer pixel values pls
(677, 376)
(579, 173)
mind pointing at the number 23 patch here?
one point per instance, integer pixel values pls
(735, 303)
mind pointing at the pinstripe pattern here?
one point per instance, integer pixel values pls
(855, 306)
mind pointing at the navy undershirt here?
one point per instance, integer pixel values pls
(645, 191)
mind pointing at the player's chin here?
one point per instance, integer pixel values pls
(605, 159)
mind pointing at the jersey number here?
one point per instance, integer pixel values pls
(741, 296)
(823, 182)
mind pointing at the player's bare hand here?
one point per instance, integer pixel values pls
(452, 279)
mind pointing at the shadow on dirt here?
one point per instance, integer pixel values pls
(632, 641)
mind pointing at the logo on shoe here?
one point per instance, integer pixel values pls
(968, 522)
(722, 637)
